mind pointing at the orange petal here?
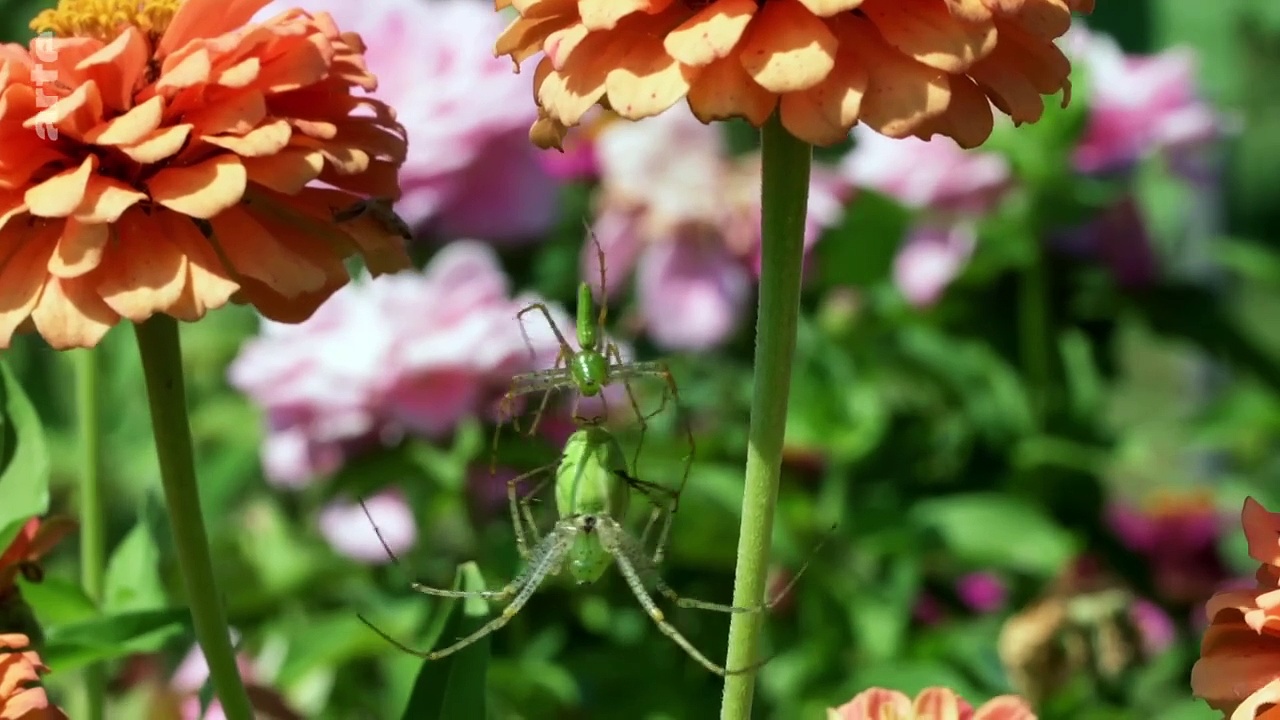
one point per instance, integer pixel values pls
(70, 314)
(74, 114)
(79, 249)
(202, 190)
(938, 703)
(263, 140)
(724, 89)
(929, 33)
(105, 200)
(967, 119)
(23, 275)
(823, 114)
(254, 252)
(787, 48)
(712, 33)
(117, 66)
(160, 145)
(146, 271)
(287, 172)
(605, 14)
(209, 284)
(1005, 707)
(140, 121)
(61, 194)
(901, 93)
(206, 18)
(238, 115)
(1262, 531)
(648, 83)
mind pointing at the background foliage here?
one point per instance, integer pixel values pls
(923, 435)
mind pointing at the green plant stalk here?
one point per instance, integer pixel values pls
(784, 197)
(93, 551)
(161, 352)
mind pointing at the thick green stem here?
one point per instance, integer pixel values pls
(93, 552)
(162, 365)
(785, 194)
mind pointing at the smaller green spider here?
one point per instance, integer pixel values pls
(592, 492)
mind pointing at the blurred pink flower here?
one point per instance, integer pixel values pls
(1154, 626)
(684, 215)
(930, 259)
(1138, 104)
(471, 170)
(1178, 534)
(192, 674)
(935, 703)
(344, 525)
(982, 592)
(413, 352)
(934, 175)
(950, 187)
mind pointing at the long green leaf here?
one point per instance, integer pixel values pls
(24, 480)
(454, 686)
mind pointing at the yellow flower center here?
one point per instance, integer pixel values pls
(105, 19)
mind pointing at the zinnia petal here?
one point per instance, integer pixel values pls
(160, 175)
(1239, 667)
(904, 67)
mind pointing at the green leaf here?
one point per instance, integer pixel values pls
(861, 249)
(454, 686)
(133, 578)
(997, 531)
(57, 601)
(72, 646)
(24, 482)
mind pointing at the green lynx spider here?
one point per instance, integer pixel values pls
(596, 364)
(592, 492)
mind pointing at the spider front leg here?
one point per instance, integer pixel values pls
(520, 507)
(615, 541)
(614, 356)
(544, 559)
(663, 500)
(658, 369)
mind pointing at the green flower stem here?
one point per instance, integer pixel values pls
(161, 353)
(785, 194)
(93, 552)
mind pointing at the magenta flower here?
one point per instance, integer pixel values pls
(1179, 537)
(348, 531)
(949, 186)
(1118, 239)
(679, 211)
(470, 170)
(412, 352)
(1138, 104)
(982, 592)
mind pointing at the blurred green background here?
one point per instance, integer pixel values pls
(924, 436)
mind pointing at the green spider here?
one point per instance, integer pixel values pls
(595, 365)
(593, 493)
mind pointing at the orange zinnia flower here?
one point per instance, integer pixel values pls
(157, 156)
(935, 703)
(903, 67)
(1239, 667)
(21, 697)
